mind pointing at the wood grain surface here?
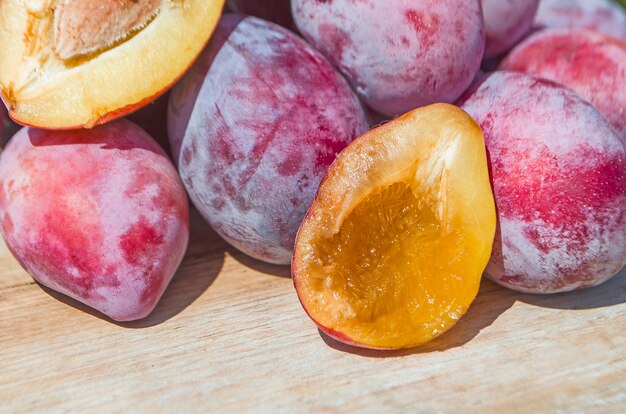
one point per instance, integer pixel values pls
(229, 335)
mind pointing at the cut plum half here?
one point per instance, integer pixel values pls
(68, 64)
(392, 250)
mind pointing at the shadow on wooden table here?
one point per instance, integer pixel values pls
(494, 300)
(612, 292)
(200, 267)
(491, 302)
(259, 266)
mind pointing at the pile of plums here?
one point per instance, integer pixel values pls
(100, 213)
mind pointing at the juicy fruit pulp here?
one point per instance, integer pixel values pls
(387, 250)
(392, 250)
(67, 64)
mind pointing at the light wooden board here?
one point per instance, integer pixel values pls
(230, 336)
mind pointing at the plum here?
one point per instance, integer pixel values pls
(99, 215)
(603, 16)
(559, 180)
(253, 126)
(276, 11)
(398, 55)
(590, 63)
(393, 248)
(506, 23)
(75, 63)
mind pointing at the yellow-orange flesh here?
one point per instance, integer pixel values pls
(392, 251)
(48, 80)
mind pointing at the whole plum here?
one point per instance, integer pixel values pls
(254, 126)
(398, 55)
(559, 180)
(99, 215)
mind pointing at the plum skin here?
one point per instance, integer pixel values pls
(98, 215)
(590, 63)
(506, 23)
(253, 127)
(398, 55)
(559, 180)
(604, 16)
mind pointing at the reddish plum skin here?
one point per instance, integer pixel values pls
(590, 63)
(99, 215)
(255, 124)
(184, 95)
(398, 55)
(559, 180)
(604, 16)
(276, 11)
(506, 23)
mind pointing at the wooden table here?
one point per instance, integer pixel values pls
(230, 335)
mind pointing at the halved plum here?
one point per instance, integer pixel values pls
(392, 250)
(69, 63)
